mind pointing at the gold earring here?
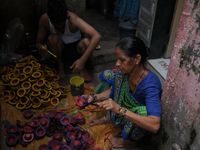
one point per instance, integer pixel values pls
(136, 63)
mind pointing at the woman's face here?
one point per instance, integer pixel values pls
(124, 63)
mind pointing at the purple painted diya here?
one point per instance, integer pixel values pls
(51, 128)
(40, 132)
(78, 133)
(28, 129)
(42, 115)
(73, 121)
(91, 142)
(86, 134)
(71, 135)
(23, 143)
(28, 113)
(28, 137)
(57, 136)
(43, 147)
(65, 120)
(75, 144)
(57, 145)
(68, 128)
(80, 118)
(11, 139)
(51, 142)
(18, 134)
(12, 129)
(65, 147)
(44, 122)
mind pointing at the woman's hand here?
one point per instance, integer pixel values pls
(109, 105)
(89, 98)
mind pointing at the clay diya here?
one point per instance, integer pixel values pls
(58, 93)
(82, 102)
(11, 139)
(21, 92)
(91, 142)
(4, 77)
(16, 73)
(28, 113)
(52, 115)
(27, 70)
(24, 100)
(44, 122)
(57, 136)
(22, 77)
(76, 144)
(84, 146)
(51, 128)
(20, 64)
(12, 94)
(78, 133)
(6, 93)
(20, 106)
(54, 101)
(29, 105)
(40, 82)
(33, 123)
(68, 128)
(15, 99)
(36, 100)
(18, 134)
(34, 64)
(36, 75)
(35, 93)
(65, 120)
(80, 118)
(12, 129)
(71, 136)
(53, 92)
(14, 82)
(5, 131)
(46, 101)
(88, 79)
(86, 134)
(54, 84)
(28, 129)
(35, 87)
(19, 124)
(98, 148)
(7, 98)
(56, 77)
(40, 132)
(28, 137)
(26, 85)
(44, 93)
(23, 143)
(65, 147)
(47, 84)
(73, 121)
(83, 139)
(43, 147)
(57, 145)
(41, 115)
(59, 126)
(51, 142)
(59, 115)
(31, 79)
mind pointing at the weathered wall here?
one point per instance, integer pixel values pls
(181, 95)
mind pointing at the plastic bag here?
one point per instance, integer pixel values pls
(11, 42)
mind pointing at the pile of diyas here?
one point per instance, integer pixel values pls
(65, 133)
(30, 84)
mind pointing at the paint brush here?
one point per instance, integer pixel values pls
(49, 52)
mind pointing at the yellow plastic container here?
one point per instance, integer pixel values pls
(77, 85)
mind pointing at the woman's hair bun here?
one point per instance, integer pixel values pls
(148, 51)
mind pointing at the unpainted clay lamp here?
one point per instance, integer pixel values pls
(33, 123)
(11, 139)
(43, 147)
(28, 129)
(44, 122)
(80, 116)
(82, 102)
(40, 132)
(91, 142)
(57, 136)
(28, 137)
(41, 115)
(57, 145)
(28, 113)
(65, 120)
(65, 147)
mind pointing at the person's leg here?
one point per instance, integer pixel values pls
(100, 120)
(56, 45)
(81, 48)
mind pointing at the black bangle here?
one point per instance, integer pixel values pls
(119, 110)
(124, 112)
(95, 97)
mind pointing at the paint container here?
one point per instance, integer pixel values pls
(77, 85)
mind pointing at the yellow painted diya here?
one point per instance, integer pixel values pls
(26, 85)
(21, 92)
(7, 98)
(16, 73)
(31, 79)
(36, 74)
(20, 64)
(40, 82)
(20, 106)
(4, 77)
(44, 94)
(53, 92)
(23, 100)
(35, 93)
(46, 102)
(11, 75)
(35, 87)
(36, 100)
(47, 84)
(22, 77)
(27, 70)
(29, 105)
(54, 101)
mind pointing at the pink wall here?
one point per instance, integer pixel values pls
(181, 95)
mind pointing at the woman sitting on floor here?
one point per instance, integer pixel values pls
(133, 101)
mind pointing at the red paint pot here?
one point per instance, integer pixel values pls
(11, 139)
(56, 145)
(12, 129)
(43, 147)
(44, 122)
(28, 137)
(80, 116)
(28, 129)
(65, 120)
(33, 123)
(28, 113)
(91, 142)
(98, 148)
(57, 136)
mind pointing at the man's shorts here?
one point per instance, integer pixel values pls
(70, 52)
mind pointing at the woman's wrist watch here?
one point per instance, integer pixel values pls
(94, 97)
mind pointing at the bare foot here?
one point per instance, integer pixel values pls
(61, 74)
(96, 121)
(120, 142)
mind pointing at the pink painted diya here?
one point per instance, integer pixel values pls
(40, 132)
(65, 120)
(12, 129)
(44, 122)
(11, 139)
(98, 148)
(43, 147)
(28, 113)
(28, 137)
(91, 142)
(57, 136)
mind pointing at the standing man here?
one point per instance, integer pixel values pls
(60, 32)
